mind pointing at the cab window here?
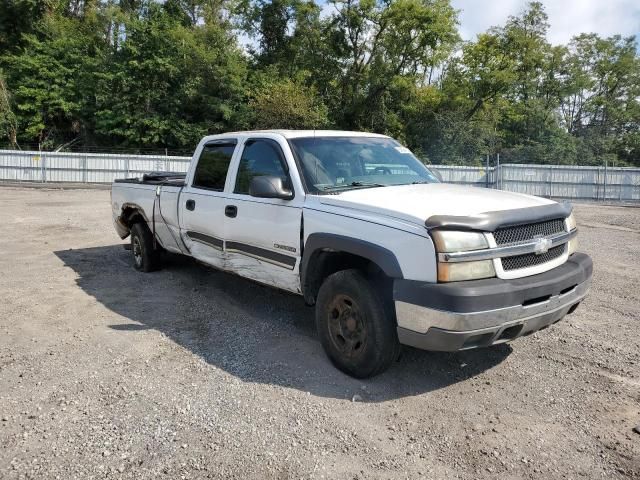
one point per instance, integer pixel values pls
(213, 164)
(260, 157)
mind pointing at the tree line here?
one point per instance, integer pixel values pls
(146, 74)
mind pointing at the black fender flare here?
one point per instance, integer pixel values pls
(317, 242)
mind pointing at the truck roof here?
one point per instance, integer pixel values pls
(297, 133)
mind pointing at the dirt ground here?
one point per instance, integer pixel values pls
(191, 373)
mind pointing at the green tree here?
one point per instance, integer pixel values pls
(382, 43)
(159, 74)
(167, 83)
(284, 103)
(19, 18)
(49, 76)
(8, 123)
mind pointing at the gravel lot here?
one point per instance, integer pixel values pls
(192, 373)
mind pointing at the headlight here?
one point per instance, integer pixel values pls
(571, 222)
(455, 272)
(454, 241)
(447, 241)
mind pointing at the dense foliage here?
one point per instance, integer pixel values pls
(145, 74)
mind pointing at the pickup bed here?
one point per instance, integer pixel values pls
(361, 229)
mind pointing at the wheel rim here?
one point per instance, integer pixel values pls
(347, 326)
(137, 251)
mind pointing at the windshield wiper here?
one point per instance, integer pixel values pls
(353, 184)
(367, 184)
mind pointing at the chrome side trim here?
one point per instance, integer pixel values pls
(508, 251)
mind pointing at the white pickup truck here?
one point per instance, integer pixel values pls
(361, 229)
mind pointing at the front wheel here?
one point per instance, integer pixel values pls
(354, 326)
(145, 257)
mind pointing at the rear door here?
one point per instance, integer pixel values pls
(202, 202)
(263, 234)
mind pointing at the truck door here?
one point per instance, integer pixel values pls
(263, 234)
(202, 203)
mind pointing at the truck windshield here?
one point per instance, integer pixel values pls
(342, 163)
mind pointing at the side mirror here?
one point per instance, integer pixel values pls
(269, 186)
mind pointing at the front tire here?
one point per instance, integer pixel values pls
(355, 328)
(145, 257)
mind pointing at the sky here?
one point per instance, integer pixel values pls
(566, 17)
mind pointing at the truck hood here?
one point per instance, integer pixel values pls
(416, 203)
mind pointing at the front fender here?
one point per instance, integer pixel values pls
(381, 256)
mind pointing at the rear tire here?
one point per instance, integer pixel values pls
(145, 257)
(354, 325)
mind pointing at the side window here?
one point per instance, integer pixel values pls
(259, 157)
(213, 164)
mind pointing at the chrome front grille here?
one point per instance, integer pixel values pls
(531, 259)
(528, 232)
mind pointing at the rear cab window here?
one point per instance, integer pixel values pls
(213, 165)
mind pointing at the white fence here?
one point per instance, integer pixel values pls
(19, 166)
(558, 181)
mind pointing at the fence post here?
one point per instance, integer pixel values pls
(604, 195)
(43, 167)
(486, 176)
(498, 173)
(620, 190)
(84, 169)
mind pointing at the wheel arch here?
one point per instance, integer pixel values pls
(130, 214)
(326, 253)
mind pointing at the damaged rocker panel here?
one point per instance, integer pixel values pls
(206, 239)
(279, 259)
(276, 258)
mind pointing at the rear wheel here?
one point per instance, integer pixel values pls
(354, 325)
(145, 257)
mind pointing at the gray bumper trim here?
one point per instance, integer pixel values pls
(421, 319)
(446, 340)
(494, 293)
(463, 315)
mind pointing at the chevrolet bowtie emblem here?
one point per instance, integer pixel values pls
(542, 246)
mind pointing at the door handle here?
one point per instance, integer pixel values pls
(191, 204)
(231, 211)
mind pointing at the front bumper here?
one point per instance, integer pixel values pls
(462, 315)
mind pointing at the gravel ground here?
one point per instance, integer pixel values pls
(192, 373)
